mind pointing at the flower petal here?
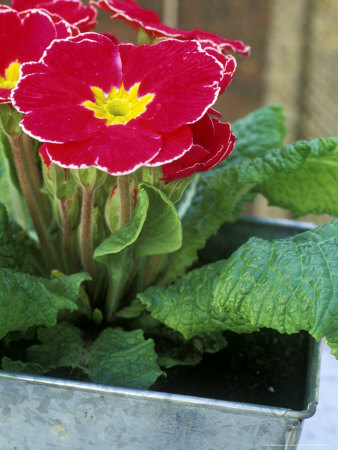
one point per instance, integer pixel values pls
(188, 164)
(130, 12)
(185, 82)
(5, 95)
(92, 58)
(52, 103)
(118, 150)
(213, 142)
(73, 11)
(136, 16)
(23, 39)
(52, 91)
(174, 145)
(229, 67)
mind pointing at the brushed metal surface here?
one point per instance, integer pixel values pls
(45, 413)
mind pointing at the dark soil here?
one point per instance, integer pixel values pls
(265, 368)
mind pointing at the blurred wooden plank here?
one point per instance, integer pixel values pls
(320, 113)
(246, 20)
(285, 60)
(170, 12)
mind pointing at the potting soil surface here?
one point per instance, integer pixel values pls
(265, 368)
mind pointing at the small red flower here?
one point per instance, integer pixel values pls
(117, 107)
(73, 11)
(138, 17)
(23, 37)
(213, 142)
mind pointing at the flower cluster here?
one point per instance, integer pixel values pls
(117, 107)
(95, 106)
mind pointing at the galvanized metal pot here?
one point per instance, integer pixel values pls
(45, 413)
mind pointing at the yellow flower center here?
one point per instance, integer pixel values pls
(120, 106)
(12, 74)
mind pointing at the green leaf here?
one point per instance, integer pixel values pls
(170, 345)
(162, 230)
(9, 255)
(176, 188)
(126, 235)
(154, 229)
(82, 301)
(26, 300)
(174, 350)
(116, 252)
(187, 306)
(288, 284)
(313, 188)
(9, 119)
(16, 247)
(61, 346)
(134, 310)
(259, 131)
(22, 367)
(220, 195)
(122, 358)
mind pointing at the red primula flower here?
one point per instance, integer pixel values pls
(213, 142)
(23, 37)
(117, 107)
(138, 17)
(73, 11)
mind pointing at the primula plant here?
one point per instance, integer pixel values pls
(115, 170)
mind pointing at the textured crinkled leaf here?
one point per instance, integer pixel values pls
(313, 188)
(188, 306)
(259, 131)
(221, 194)
(22, 367)
(9, 254)
(15, 245)
(162, 230)
(27, 300)
(302, 176)
(123, 358)
(61, 346)
(174, 350)
(333, 344)
(288, 285)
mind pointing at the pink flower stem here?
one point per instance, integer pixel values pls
(32, 203)
(34, 175)
(67, 234)
(125, 203)
(151, 272)
(86, 239)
